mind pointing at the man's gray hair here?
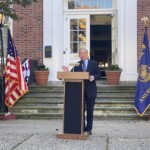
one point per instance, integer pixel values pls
(83, 49)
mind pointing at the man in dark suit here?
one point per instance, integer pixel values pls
(90, 85)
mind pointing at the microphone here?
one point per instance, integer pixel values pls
(74, 64)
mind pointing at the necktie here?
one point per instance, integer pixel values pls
(83, 66)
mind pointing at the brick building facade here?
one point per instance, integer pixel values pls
(28, 32)
(143, 9)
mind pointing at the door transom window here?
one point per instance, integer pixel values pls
(89, 4)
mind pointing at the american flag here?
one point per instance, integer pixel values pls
(15, 85)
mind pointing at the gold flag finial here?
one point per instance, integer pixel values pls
(145, 20)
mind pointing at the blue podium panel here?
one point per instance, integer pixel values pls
(73, 107)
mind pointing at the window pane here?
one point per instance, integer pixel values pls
(108, 3)
(82, 24)
(73, 24)
(73, 36)
(82, 45)
(73, 47)
(93, 4)
(82, 36)
(77, 34)
(101, 3)
(78, 4)
(86, 4)
(71, 4)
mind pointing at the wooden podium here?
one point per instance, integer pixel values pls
(73, 115)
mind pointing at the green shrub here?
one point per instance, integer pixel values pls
(41, 67)
(114, 67)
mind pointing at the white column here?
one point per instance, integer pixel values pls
(57, 21)
(127, 38)
(48, 33)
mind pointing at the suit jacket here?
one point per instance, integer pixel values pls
(90, 87)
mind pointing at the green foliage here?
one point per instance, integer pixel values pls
(7, 6)
(114, 67)
(41, 67)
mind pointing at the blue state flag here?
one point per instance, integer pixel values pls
(142, 96)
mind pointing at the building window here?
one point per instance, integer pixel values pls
(77, 34)
(89, 4)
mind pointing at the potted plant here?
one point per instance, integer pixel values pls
(113, 74)
(41, 74)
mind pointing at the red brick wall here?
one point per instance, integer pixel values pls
(143, 9)
(28, 32)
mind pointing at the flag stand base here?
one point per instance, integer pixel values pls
(8, 116)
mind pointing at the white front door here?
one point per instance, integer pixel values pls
(76, 36)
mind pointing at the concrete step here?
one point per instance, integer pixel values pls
(59, 109)
(61, 95)
(55, 102)
(61, 89)
(44, 95)
(59, 98)
(99, 88)
(46, 102)
(96, 117)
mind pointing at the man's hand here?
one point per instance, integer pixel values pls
(91, 78)
(65, 69)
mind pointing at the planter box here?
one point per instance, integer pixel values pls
(41, 77)
(113, 77)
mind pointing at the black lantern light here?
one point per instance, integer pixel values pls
(1, 17)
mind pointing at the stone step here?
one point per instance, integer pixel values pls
(99, 88)
(121, 86)
(57, 102)
(46, 102)
(96, 117)
(105, 90)
(61, 95)
(50, 89)
(59, 109)
(44, 95)
(40, 99)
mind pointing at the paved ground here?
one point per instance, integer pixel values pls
(41, 135)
